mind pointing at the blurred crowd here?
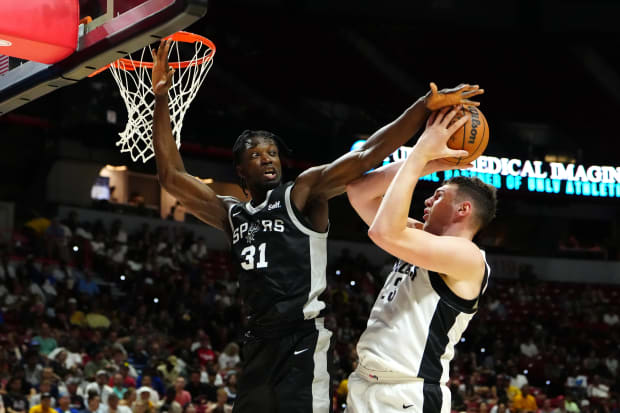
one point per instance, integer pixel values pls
(94, 319)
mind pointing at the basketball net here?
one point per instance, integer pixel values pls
(134, 81)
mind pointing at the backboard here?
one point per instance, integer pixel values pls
(112, 29)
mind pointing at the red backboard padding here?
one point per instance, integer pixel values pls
(45, 31)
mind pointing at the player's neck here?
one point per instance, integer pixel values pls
(258, 196)
(459, 230)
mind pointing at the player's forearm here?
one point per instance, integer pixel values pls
(374, 184)
(393, 135)
(393, 213)
(167, 154)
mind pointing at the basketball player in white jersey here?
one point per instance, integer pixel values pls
(433, 291)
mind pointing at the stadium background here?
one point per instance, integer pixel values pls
(321, 75)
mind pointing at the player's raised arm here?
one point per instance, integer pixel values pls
(197, 197)
(445, 253)
(329, 180)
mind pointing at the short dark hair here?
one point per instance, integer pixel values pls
(239, 145)
(484, 197)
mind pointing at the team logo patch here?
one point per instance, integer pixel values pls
(249, 236)
(372, 376)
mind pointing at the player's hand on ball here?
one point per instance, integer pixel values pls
(460, 95)
(162, 72)
(433, 144)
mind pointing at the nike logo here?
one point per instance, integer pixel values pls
(406, 406)
(236, 213)
(300, 351)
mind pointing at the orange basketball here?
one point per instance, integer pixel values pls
(472, 137)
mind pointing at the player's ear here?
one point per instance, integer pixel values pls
(239, 170)
(464, 209)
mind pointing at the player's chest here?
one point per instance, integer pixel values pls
(248, 229)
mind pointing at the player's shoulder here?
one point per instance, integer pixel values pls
(229, 200)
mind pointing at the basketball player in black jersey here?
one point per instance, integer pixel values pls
(278, 241)
(432, 293)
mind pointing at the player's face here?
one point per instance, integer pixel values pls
(261, 165)
(439, 209)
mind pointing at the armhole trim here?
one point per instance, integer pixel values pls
(290, 209)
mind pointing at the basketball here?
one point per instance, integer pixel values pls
(472, 137)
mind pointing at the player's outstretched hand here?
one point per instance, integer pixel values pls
(433, 144)
(460, 95)
(162, 72)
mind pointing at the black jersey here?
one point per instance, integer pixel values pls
(281, 261)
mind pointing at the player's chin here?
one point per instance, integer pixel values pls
(271, 183)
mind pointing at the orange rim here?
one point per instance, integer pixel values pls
(185, 37)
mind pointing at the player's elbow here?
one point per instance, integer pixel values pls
(377, 234)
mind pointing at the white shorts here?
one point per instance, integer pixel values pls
(413, 397)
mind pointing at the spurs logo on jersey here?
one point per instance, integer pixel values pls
(415, 324)
(281, 260)
(248, 231)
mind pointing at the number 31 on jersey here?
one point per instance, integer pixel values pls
(249, 254)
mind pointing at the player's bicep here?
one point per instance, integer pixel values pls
(330, 180)
(200, 200)
(455, 257)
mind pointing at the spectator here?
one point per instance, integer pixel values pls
(169, 370)
(119, 386)
(169, 403)
(47, 343)
(97, 364)
(222, 405)
(45, 406)
(147, 382)
(529, 348)
(525, 401)
(610, 317)
(76, 402)
(88, 286)
(114, 406)
(229, 358)
(33, 369)
(64, 404)
(570, 405)
(93, 405)
(44, 388)
(546, 407)
(204, 351)
(95, 319)
(14, 400)
(198, 389)
(100, 387)
(517, 379)
(597, 389)
(142, 403)
(231, 387)
(129, 398)
(500, 408)
(611, 362)
(183, 397)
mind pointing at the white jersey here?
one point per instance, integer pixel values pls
(414, 325)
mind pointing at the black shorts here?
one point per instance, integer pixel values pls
(287, 374)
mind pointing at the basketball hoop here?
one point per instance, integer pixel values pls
(134, 81)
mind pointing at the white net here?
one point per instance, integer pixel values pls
(134, 82)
